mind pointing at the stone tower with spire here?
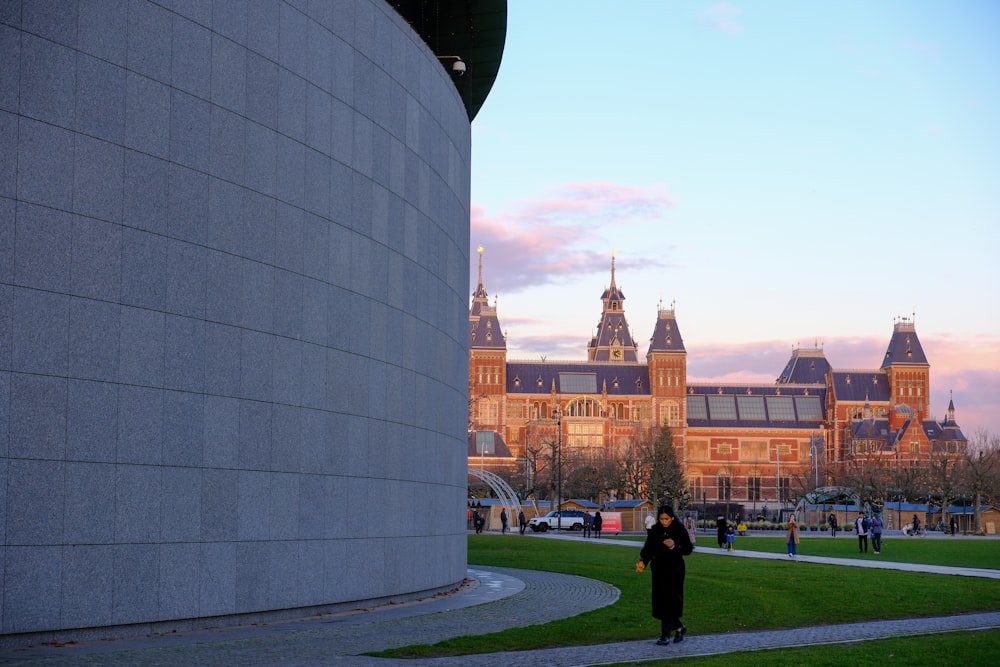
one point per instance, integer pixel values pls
(613, 340)
(487, 360)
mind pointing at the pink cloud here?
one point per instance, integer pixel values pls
(547, 240)
(723, 16)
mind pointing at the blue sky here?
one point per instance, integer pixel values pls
(787, 173)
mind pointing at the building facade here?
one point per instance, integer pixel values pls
(749, 444)
(234, 250)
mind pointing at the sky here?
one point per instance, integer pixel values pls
(782, 174)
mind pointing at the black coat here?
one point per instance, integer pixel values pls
(667, 567)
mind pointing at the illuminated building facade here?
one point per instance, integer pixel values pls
(749, 444)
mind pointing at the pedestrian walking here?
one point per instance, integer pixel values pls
(597, 523)
(666, 545)
(876, 528)
(478, 521)
(720, 527)
(952, 525)
(691, 529)
(792, 537)
(522, 523)
(588, 522)
(861, 528)
(503, 520)
(832, 520)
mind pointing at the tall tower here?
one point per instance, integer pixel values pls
(613, 340)
(487, 360)
(667, 361)
(907, 371)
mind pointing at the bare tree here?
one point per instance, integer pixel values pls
(981, 471)
(630, 477)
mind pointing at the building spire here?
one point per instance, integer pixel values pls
(480, 251)
(480, 292)
(612, 269)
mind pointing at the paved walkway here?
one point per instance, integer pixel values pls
(499, 599)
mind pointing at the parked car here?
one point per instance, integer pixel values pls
(571, 520)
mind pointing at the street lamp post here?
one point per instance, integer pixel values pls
(814, 455)
(777, 480)
(558, 417)
(704, 509)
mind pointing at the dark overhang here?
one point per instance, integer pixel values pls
(473, 30)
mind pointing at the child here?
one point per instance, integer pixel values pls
(731, 538)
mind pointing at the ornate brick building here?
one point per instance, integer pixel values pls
(742, 443)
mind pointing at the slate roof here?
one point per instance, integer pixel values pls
(666, 335)
(621, 379)
(807, 366)
(499, 447)
(875, 430)
(943, 431)
(861, 385)
(904, 346)
(612, 329)
(484, 325)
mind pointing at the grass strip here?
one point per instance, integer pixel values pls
(721, 595)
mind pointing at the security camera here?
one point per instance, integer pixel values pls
(457, 64)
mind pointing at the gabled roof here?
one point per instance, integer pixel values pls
(873, 430)
(943, 431)
(904, 346)
(807, 366)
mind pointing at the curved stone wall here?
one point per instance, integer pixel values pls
(233, 273)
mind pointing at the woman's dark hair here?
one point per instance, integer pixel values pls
(668, 510)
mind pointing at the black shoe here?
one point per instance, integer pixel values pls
(663, 641)
(679, 635)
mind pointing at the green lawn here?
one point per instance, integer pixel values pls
(730, 594)
(957, 552)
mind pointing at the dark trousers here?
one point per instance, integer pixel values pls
(877, 541)
(862, 543)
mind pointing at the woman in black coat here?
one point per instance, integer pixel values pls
(667, 543)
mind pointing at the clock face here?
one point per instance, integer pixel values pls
(616, 354)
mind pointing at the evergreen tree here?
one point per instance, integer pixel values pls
(666, 476)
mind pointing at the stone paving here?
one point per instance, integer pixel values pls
(499, 598)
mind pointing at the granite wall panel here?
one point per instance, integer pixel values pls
(233, 267)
